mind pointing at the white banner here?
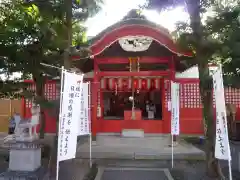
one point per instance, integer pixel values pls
(175, 108)
(222, 148)
(84, 122)
(69, 118)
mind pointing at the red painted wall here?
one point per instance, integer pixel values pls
(190, 110)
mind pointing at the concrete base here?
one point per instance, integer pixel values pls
(25, 159)
(40, 173)
(132, 133)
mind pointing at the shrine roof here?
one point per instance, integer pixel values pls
(130, 22)
(134, 24)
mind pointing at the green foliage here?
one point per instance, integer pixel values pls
(33, 33)
(27, 39)
(221, 41)
(224, 28)
(37, 32)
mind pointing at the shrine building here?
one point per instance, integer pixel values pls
(132, 65)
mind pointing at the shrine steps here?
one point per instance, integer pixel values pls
(133, 133)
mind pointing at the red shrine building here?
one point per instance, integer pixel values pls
(132, 65)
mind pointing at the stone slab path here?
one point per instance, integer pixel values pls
(116, 147)
(133, 174)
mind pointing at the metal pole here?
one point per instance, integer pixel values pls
(172, 151)
(90, 126)
(133, 100)
(60, 118)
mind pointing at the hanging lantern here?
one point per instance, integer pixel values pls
(129, 83)
(155, 83)
(135, 83)
(111, 83)
(116, 88)
(144, 84)
(120, 84)
(152, 83)
(139, 83)
(148, 84)
(103, 83)
(124, 84)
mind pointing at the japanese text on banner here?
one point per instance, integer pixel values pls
(175, 108)
(69, 117)
(84, 128)
(222, 148)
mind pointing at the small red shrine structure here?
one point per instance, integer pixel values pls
(136, 59)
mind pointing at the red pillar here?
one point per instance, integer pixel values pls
(172, 69)
(95, 86)
(173, 73)
(167, 87)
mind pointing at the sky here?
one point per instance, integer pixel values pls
(114, 10)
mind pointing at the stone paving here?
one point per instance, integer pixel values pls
(115, 147)
(73, 169)
(133, 174)
(149, 152)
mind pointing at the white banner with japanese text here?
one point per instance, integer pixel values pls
(175, 108)
(70, 114)
(222, 148)
(84, 121)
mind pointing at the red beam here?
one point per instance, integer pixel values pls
(141, 73)
(122, 60)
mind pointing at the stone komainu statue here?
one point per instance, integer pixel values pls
(27, 129)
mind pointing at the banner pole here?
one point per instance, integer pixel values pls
(59, 121)
(172, 151)
(90, 150)
(90, 126)
(230, 169)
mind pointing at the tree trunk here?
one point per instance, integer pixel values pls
(39, 81)
(212, 164)
(68, 35)
(53, 158)
(67, 65)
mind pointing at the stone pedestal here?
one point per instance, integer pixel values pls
(24, 160)
(24, 156)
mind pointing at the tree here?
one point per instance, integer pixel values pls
(70, 13)
(224, 28)
(26, 42)
(203, 49)
(36, 32)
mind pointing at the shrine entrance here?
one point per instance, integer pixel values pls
(130, 69)
(115, 104)
(134, 101)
